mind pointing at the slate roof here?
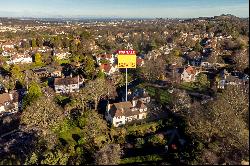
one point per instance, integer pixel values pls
(125, 109)
(66, 81)
(5, 97)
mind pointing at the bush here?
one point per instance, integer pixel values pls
(139, 142)
(140, 159)
(157, 139)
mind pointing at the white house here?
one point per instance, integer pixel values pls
(8, 46)
(9, 102)
(7, 53)
(67, 84)
(188, 74)
(60, 54)
(20, 58)
(108, 57)
(121, 113)
(206, 64)
(108, 69)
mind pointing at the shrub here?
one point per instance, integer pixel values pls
(139, 142)
(157, 139)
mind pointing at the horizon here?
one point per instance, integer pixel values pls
(111, 17)
(120, 9)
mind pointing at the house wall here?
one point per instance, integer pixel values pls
(131, 118)
(143, 115)
(186, 77)
(145, 100)
(117, 121)
(66, 89)
(2, 109)
(56, 74)
(20, 60)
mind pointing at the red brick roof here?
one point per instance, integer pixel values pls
(105, 67)
(139, 61)
(105, 56)
(190, 70)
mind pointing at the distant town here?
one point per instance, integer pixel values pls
(62, 95)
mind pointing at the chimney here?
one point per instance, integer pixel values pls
(11, 96)
(134, 102)
(108, 107)
(78, 82)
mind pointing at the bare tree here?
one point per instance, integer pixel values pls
(108, 155)
(44, 117)
(99, 88)
(241, 58)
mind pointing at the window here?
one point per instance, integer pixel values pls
(117, 123)
(7, 103)
(59, 90)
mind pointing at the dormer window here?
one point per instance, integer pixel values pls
(7, 103)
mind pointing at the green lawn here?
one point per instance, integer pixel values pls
(63, 61)
(187, 86)
(67, 135)
(140, 159)
(142, 129)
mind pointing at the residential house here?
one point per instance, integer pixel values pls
(8, 46)
(108, 69)
(48, 71)
(20, 58)
(67, 84)
(61, 54)
(8, 52)
(139, 61)
(193, 58)
(188, 75)
(108, 57)
(9, 102)
(124, 112)
(56, 72)
(206, 64)
(234, 78)
(138, 94)
(41, 72)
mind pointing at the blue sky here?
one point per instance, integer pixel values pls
(123, 8)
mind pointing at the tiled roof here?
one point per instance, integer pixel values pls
(125, 109)
(66, 81)
(106, 56)
(190, 70)
(139, 61)
(105, 67)
(5, 97)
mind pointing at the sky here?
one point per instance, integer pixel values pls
(123, 8)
